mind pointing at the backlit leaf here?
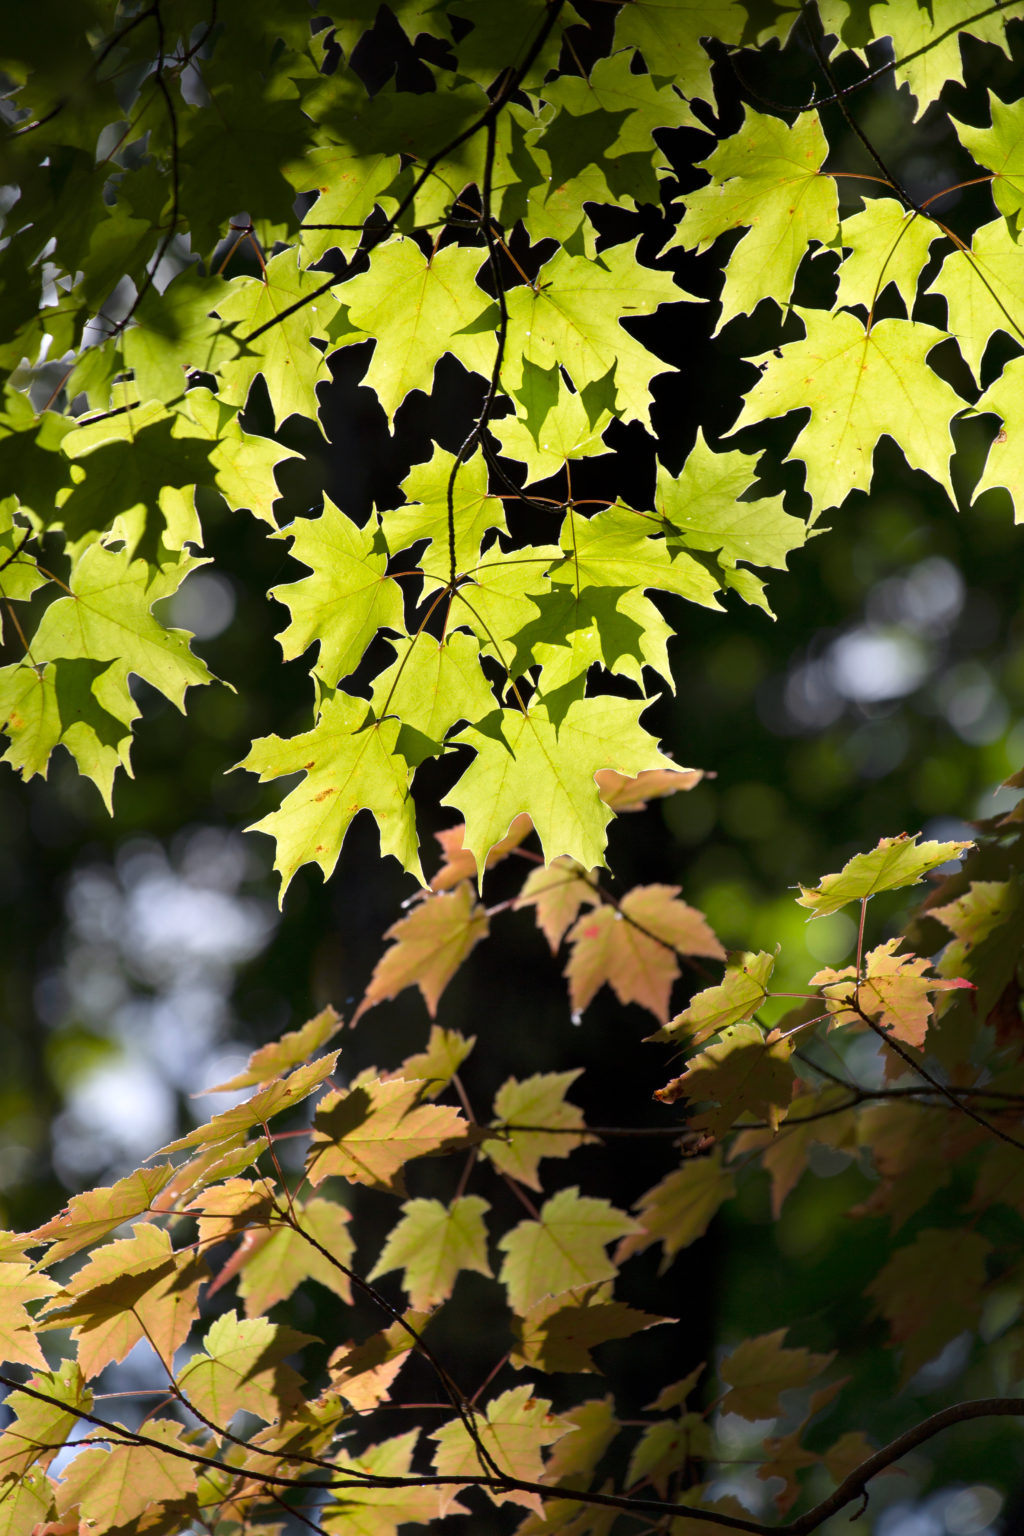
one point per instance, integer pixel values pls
(514, 1428)
(896, 862)
(429, 946)
(563, 1249)
(432, 1243)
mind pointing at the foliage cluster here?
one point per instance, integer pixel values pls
(459, 190)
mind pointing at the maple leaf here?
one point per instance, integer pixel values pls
(559, 1332)
(363, 1373)
(39, 1428)
(624, 792)
(176, 332)
(633, 947)
(551, 433)
(737, 997)
(20, 1284)
(359, 1508)
(129, 1290)
(562, 1250)
(570, 317)
(349, 185)
(664, 1448)
(894, 863)
(280, 1094)
(760, 1368)
(742, 1073)
(243, 1367)
(459, 863)
(892, 989)
(525, 762)
(27, 1505)
(432, 1243)
(1000, 149)
(558, 891)
(926, 44)
(435, 1067)
(513, 1429)
(429, 946)
(886, 244)
(280, 1056)
(983, 291)
(539, 1102)
(424, 516)
(367, 1134)
(859, 385)
(1005, 463)
(704, 512)
(348, 597)
(351, 764)
(767, 176)
(431, 685)
(284, 1259)
(88, 1217)
(417, 310)
(678, 1210)
(668, 33)
(281, 308)
(113, 1487)
(923, 1316)
(676, 1394)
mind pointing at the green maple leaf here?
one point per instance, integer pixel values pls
(1001, 150)
(81, 703)
(348, 597)
(418, 310)
(291, 366)
(243, 1367)
(571, 317)
(887, 244)
(664, 1448)
(595, 609)
(91, 1215)
(984, 291)
(233, 156)
(175, 332)
(513, 1428)
(544, 442)
(538, 1101)
(931, 38)
(768, 177)
(893, 864)
(668, 34)
(525, 763)
(432, 1243)
(679, 1209)
(562, 1250)
(243, 463)
(349, 186)
(1005, 463)
(350, 764)
(445, 1052)
(502, 598)
(431, 685)
(107, 618)
(425, 513)
(740, 994)
(703, 509)
(859, 385)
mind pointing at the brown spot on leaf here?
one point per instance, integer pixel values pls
(1001, 435)
(324, 793)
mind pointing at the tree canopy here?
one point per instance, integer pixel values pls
(527, 341)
